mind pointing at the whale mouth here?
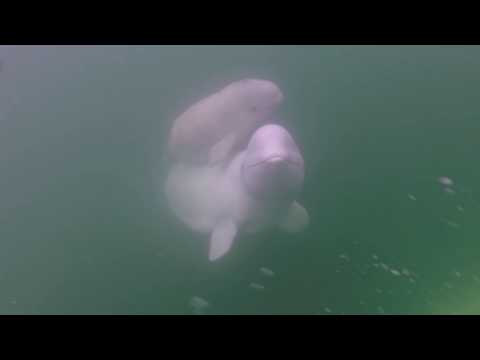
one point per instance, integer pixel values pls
(275, 159)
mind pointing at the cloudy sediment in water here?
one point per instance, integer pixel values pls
(86, 230)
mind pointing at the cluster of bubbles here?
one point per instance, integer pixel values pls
(200, 306)
(376, 264)
(266, 272)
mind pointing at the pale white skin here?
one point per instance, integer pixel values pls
(217, 127)
(217, 200)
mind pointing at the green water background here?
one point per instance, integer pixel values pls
(85, 228)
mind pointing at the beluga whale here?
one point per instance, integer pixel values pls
(217, 127)
(256, 189)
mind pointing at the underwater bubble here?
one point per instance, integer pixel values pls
(380, 310)
(374, 257)
(257, 286)
(452, 224)
(460, 208)
(411, 197)
(449, 190)
(267, 272)
(448, 285)
(380, 291)
(476, 278)
(327, 310)
(344, 257)
(458, 274)
(197, 301)
(198, 305)
(384, 266)
(405, 272)
(445, 181)
(395, 272)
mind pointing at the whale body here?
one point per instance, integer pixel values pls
(257, 189)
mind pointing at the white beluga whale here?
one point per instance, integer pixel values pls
(256, 190)
(218, 126)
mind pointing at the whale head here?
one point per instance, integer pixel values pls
(273, 167)
(256, 97)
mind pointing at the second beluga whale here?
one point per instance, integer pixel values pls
(217, 127)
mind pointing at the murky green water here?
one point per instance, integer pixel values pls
(85, 228)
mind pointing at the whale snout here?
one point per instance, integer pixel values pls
(277, 94)
(276, 159)
(264, 92)
(273, 165)
(273, 178)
